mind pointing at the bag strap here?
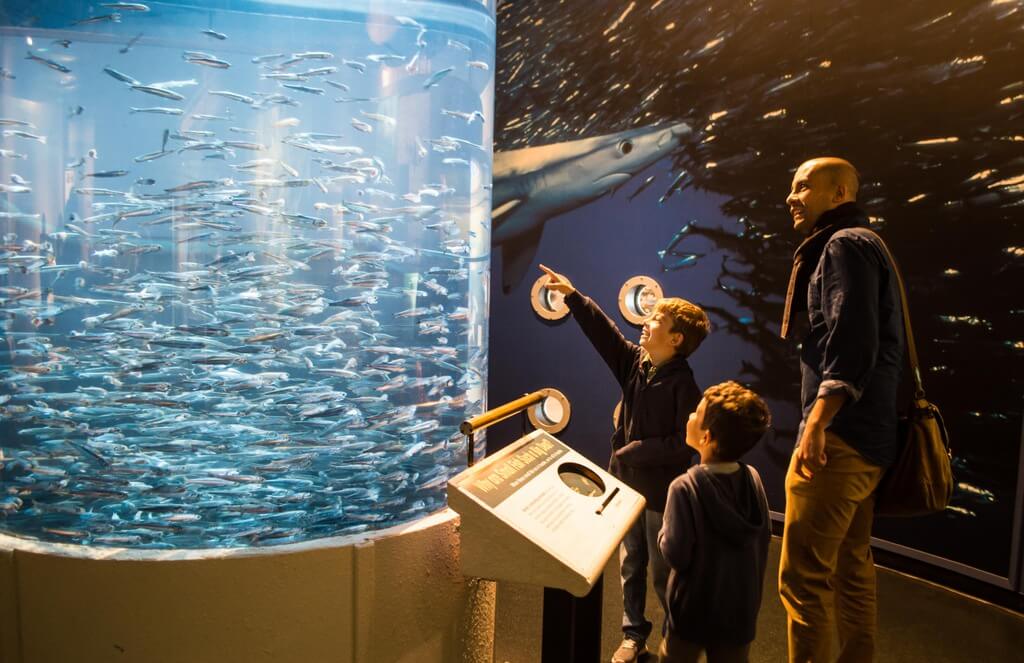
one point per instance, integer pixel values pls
(915, 367)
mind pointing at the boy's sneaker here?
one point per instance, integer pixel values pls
(629, 651)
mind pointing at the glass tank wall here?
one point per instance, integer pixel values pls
(244, 265)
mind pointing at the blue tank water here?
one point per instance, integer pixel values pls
(244, 265)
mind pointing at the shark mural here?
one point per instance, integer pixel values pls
(534, 184)
(930, 110)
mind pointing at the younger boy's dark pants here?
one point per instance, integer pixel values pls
(675, 650)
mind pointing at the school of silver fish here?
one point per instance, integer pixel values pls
(279, 349)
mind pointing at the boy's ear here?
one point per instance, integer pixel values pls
(677, 339)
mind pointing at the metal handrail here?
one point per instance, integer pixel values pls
(494, 415)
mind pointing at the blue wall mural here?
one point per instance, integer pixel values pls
(925, 97)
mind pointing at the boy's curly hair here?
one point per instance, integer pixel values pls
(687, 319)
(736, 417)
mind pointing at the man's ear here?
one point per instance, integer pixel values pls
(840, 193)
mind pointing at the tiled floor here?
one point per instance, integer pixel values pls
(919, 622)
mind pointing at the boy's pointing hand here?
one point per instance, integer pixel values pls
(558, 282)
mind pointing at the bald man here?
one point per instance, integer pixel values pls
(850, 361)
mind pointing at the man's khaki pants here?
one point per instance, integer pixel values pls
(826, 565)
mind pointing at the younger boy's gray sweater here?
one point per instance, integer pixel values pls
(715, 537)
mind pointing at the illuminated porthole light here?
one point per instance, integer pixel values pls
(548, 304)
(551, 414)
(637, 298)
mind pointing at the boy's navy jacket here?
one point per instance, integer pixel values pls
(649, 443)
(715, 539)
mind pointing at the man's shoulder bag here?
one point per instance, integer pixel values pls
(920, 481)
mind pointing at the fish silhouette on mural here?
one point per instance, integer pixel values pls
(534, 184)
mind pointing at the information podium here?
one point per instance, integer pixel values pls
(537, 512)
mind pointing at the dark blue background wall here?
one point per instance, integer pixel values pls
(600, 246)
(925, 97)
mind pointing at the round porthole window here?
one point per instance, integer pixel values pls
(552, 413)
(637, 298)
(548, 304)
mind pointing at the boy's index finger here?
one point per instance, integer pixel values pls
(548, 271)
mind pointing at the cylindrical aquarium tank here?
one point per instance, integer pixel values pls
(243, 309)
(244, 265)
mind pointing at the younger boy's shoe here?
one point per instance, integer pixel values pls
(629, 651)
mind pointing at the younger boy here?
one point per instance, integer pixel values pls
(648, 445)
(715, 533)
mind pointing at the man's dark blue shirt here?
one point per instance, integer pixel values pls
(855, 340)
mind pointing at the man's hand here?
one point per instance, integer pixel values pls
(557, 282)
(810, 455)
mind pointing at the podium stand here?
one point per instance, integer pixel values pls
(537, 512)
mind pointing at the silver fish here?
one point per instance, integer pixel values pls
(379, 117)
(7, 133)
(131, 42)
(255, 163)
(106, 173)
(244, 145)
(408, 21)
(303, 88)
(304, 219)
(15, 188)
(126, 6)
(170, 85)
(152, 155)
(413, 63)
(319, 71)
(113, 17)
(159, 92)
(437, 77)
(385, 58)
(463, 115)
(259, 59)
(234, 96)
(208, 61)
(198, 185)
(162, 110)
(124, 78)
(283, 76)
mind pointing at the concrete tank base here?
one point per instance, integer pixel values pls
(392, 595)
